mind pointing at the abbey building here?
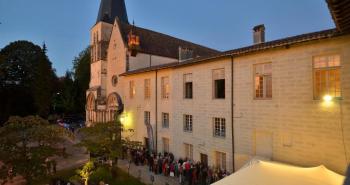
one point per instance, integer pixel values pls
(286, 100)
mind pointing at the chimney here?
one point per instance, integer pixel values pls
(259, 34)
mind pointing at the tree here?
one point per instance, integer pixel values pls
(70, 90)
(43, 84)
(25, 145)
(81, 74)
(86, 171)
(26, 78)
(103, 139)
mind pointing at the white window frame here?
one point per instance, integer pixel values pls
(327, 64)
(165, 87)
(147, 86)
(187, 78)
(220, 160)
(188, 123)
(218, 74)
(165, 120)
(188, 151)
(166, 144)
(219, 127)
(266, 76)
(147, 117)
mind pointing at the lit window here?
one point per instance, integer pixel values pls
(188, 86)
(132, 90)
(219, 127)
(165, 88)
(188, 151)
(263, 80)
(147, 117)
(327, 76)
(147, 88)
(219, 83)
(165, 120)
(166, 145)
(188, 127)
(220, 160)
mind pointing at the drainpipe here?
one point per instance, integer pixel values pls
(232, 114)
(156, 117)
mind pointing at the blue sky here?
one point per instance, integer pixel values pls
(220, 24)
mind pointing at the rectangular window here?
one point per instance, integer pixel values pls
(147, 117)
(188, 86)
(219, 127)
(219, 83)
(263, 81)
(165, 120)
(220, 160)
(188, 151)
(188, 127)
(132, 90)
(165, 88)
(165, 145)
(327, 78)
(147, 88)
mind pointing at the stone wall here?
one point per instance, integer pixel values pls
(292, 126)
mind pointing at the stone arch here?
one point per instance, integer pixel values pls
(114, 106)
(90, 107)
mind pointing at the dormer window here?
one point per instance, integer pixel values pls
(133, 42)
(185, 54)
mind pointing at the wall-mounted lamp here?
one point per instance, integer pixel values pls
(123, 118)
(327, 98)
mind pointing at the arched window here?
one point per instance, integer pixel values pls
(112, 106)
(90, 107)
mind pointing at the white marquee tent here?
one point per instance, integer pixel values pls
(271, 173)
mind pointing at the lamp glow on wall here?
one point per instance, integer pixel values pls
(125, 120)
(327, 98)
(327, 101)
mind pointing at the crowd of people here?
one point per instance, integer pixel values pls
(186, 170)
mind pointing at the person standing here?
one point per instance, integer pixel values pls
(54, 164)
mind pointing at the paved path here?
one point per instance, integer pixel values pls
(142, 173)
(77, 156)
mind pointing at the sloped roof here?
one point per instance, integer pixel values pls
(340, 11)
(112, 9)
(156, 43)
(285, 42)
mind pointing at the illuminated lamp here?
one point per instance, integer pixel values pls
(327, 98)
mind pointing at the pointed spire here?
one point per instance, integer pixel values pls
(112, 9)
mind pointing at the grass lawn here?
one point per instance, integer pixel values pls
(122, 178)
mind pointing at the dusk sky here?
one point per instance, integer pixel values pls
(220, 24)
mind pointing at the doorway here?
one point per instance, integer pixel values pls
(204, 159)
(147, 144)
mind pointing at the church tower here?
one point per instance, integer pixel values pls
(112, 9)
(99, 41)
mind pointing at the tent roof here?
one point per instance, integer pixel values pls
(270, 173)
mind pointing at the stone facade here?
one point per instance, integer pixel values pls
(293, 127)
(290, 127)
